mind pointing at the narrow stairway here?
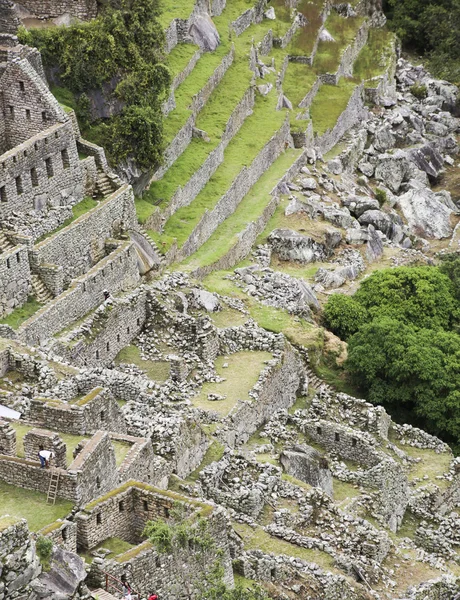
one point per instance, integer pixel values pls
(5, 243)
(40, 291)
(102, 595)
(104, 186)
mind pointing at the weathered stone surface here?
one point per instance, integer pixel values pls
(291, 245)
(204, 33)
(425, 213)
(305, 463)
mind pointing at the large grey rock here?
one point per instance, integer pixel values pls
(307, 464)
(360, 204)
(426, 213)
(293, 246)
(427, 159)
(395, 169)
(377, 219)
(64, 577)
(339, 218)
(206, 300)
(374, 247)
(204, 33)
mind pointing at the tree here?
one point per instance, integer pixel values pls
(343, 315)
(419, 296)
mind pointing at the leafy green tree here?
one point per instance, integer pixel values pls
(121, 50)
(343, 315)
(450, 266)
(419, 296)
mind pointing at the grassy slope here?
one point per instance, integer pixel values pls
(333, 97)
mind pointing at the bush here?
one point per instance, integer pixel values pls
(381, 196)
(343, 315)
(44, 547)
(419, 91)
(123, 45)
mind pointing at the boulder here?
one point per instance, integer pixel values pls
(426, 213)
(377, 219)
(270, 14)
(360, 204)
(204, 33)
(339, 218)
(307, 464)
(308, 183)
(63, 579)
(206, 300)
(293, 246)
(374, 247)
(395, 169)
(283, 102)
(427, 159)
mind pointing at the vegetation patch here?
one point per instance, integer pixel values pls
(16, 318)
(376, 56)
(155, 370)
(329, 103)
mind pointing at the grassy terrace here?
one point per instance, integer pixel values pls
(179, 57)
(21, 314)
(303, 42)
(376, 56)
(175, 9)
(27, 504)
(78, 210)
(155, 370)
(343, 31)
(241, 151)
(250, 208)
(241, 375)
(335, 98)
(298, 82)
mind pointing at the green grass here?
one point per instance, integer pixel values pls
(175, 9)
(78, 210)
(121, 450)
(155, 370)
(329, 103)
(241, 375)
(303, 42)
(250, 209)
(115, 545)
(298, 82)
(30, 505)
(179, 57)
(343, 30)
(21, 314)
(240, 152)
(228, 317)
(213, 454)
(258, 539)
(376, 56)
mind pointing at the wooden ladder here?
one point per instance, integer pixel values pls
(53, 487)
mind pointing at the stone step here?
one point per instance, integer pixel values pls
(5, 243)
(102, 595)
(41, 292)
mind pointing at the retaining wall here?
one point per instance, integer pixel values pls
(116, 272)
(227, 204)
(184, 196)
(78, 247)
(82, 9)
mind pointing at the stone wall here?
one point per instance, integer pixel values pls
(184, 196)
(309, 97)
(148, 570)
(41, 172)
(96, 468)
(250, 16)
(82, 9)
(340, 439)
(277, 389)
(7, 439)
(141, 463)
(95, 410)
(78, 247)
(15, 279)
(9, 22)
(354, 113)
(350, 54)
(183, 137)
(116, 272)
(20, 564)
(63, 533)
(26, 102)
(37, 439)
(228, 203)
(113, 327)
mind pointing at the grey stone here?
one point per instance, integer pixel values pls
(204, 33)
(426, 215)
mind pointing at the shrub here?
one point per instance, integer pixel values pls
(343, 315)
(381, 196)
(419, 91)
(44, 547)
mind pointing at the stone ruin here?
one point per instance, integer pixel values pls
(119, 370)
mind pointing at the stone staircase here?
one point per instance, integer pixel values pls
(40, 291)
(5, 243)
(104, 186)
(102, 595)
(316, 383)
